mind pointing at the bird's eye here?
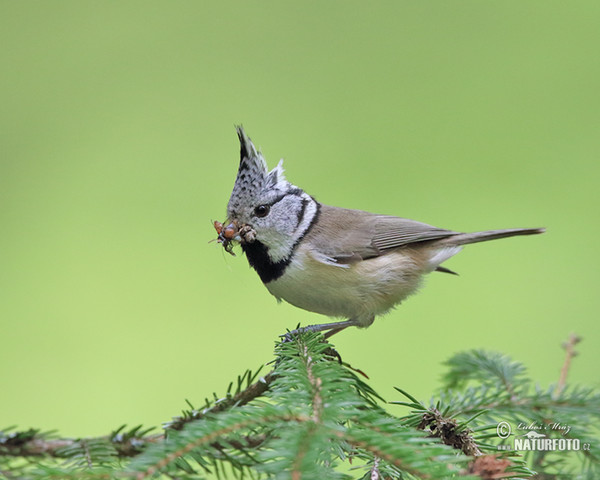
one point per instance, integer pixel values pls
(262, 211)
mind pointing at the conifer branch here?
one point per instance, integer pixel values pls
(32, 443)
(448, 430)
(171, 457)
(316, 413)
(242, 397)
(36, 447)
(380, 454)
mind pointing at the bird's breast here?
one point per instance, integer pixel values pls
(360, 289)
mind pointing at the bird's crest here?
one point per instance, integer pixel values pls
(253, 176)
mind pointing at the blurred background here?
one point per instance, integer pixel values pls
(118, 151)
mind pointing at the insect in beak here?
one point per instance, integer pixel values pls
(226, 235)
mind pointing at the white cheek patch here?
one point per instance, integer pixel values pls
(285, 235)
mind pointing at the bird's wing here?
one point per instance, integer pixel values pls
(394, 232)
(345, 236)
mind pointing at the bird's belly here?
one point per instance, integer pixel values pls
(359, 290)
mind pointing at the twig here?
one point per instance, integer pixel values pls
(375, 469)
(242, 398)
(569, 347)
(55, 447)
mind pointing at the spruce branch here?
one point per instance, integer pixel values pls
(208, 438)
(33, 443)
(487, 387)
(450, 432)
(312, 412)
(241, 397)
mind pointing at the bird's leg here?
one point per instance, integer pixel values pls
(330, 328)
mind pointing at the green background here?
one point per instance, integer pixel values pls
(118, 150)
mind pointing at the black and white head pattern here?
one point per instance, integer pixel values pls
(279, 212)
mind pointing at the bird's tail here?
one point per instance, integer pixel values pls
(466, 238)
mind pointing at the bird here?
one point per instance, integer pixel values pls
(342, 263)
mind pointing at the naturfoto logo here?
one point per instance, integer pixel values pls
(536, 437)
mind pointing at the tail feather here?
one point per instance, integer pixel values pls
(466, 238)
